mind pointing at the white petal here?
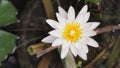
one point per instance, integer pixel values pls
(83, 39)
(62, 11)
(57, 42)
(94, 24)
(85, 49)
(71, 14)
(48, 39)
(81, 14)
(61, 26)
(86, 17)
(61, 18)
(86, 26)
(82, 47)
(79, 18)
(64, 51)
(83, 55)
(73, 50)
(92, 42)
(56, 33)
(89, 33)
(78, 45)
(83, 10)
(52, 23)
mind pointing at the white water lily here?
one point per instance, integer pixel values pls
(73, 34)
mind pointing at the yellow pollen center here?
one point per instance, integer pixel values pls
(72, 32)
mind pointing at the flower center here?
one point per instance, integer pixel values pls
(72, 32)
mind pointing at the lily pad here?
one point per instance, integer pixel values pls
(7, 43)
(92, 1)
(7, 12)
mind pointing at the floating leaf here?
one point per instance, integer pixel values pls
(92, 1)
(7, 43)
(7, 12)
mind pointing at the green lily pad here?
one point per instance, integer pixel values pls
(7, 43)
(92, 1)
(7, 12)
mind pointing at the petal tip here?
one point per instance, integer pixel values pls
(57, 14)
(85, 58)
(47, 20)
(48, 39)
(62, 57)
(84, 9)
(86, 6)
(88, 13)
(59, 8)
(96, 46)
(99, 23)
(44, 40)
(71, 8)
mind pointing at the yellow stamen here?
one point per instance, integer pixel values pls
(72, 32)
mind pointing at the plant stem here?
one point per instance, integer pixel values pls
(58, 2)
(33, 49)
(69, 61)
(49, 8)
(114, 54)
(107, 29)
